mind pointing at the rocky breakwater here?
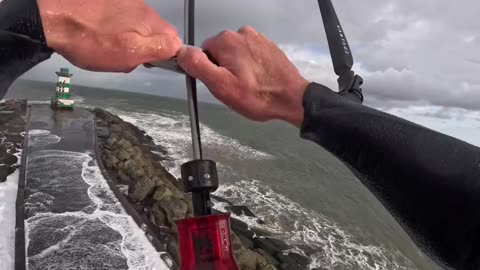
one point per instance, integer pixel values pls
(12, 128)
(132, 165)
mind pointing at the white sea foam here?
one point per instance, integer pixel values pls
(8, 196)
(140, 254)
(135, 246)
(172, 130)
(296, 225)
(78, 99)
(40, 137)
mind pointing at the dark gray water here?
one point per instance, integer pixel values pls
(302, 192)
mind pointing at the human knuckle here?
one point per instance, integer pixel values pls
(248, 84)
(227, 35)
(194, 58)
(247, 29)
(122, 39)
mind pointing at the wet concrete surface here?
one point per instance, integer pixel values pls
(65, 217)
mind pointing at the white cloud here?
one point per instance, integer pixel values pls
(408, 51)
(469, 39)
(460, 123)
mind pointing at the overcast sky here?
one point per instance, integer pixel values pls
(419, 59)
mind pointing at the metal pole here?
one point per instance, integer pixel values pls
(189, 25)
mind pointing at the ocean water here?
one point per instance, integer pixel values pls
(304, 194)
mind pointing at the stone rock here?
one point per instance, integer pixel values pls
(162, 193)
(172, 248)
(159, 215)
(240, 227)
(5, 171)
(237, 245)
(116, 128)
(10, 103)
(9, 159)
(111, 141)
(175, 209)
(148, 169)
(270, 245)
(16, 122)
(123, 178)
(139, 162)
(123, 189)
(15, 128)
(108, 163)
(220, 199)
(138, 150)
(293, 261)
(122, 155)
(14, 137)
(300, 259)
(120, 165)
(115, 160)
(125, 144)
(14, 150)
(130, 167)
(268, 257)
(151, 218)
(259, 221)
(102, 132)
(141, 188)
(6, 116)
(309, 249)
(261, 233)
(249, 260)
(189, 205)
(240, 210)
(246, 242)
(138, 173)
(269, 267)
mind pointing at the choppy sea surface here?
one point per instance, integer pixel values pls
(302, 193)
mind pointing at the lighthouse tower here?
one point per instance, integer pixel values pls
(62, 99)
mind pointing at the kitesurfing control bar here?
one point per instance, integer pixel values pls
(349, 83)
(191, 82)
(199, 176)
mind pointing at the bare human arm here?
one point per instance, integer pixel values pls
(430, 182)
(97, 35)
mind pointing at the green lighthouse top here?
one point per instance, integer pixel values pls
(64, 72)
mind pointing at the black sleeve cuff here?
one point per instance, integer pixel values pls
(318, 100)
(22, 17)
(22, 40)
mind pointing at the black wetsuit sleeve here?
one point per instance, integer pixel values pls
(22, 41)
(429, 181)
